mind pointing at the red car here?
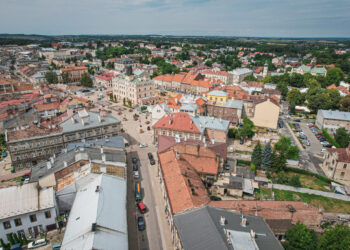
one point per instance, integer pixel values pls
(142, 207)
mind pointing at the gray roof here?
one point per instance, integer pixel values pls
(335, 115)
(188, 107)
(45, 168)
(201, 229)
(233, 104)
(203, 122)
(111, 142)
(91, 120)
(107, 208)
(218, 93)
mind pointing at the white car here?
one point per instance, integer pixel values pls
(143, 145)
(136, 174)
(37, 243)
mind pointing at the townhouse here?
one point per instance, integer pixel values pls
(74, 73)
(223, 76)
(336, 163)
(332, 120)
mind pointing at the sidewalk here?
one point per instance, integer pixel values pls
(13, 175)
(310, 191)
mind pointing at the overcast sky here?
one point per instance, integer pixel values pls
(265, 18)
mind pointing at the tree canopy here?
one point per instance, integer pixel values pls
(299, 237)
(86, 80)
(342, 137)
(335, 238)
(247, 130)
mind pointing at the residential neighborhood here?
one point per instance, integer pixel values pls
(141, 142)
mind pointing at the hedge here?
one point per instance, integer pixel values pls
(243, 163)
(330, 139)
(305, 172)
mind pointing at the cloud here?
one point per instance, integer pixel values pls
(311, 18)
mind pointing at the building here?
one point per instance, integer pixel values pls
(312, 70)
(332, 119)
(207, 228)
(183, 125)
(239, 74)
(266, 114)
(122, 63)
(336, 163)
(27, 209)
(74, 73)
(103, 223)
(139, 91)
(223, 76)
(105, 79)
(158, 111)
(34, 143)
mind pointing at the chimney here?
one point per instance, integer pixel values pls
(244, 221)
(101, 150)
(82, 122)
(99, 118)
(177, 155)
(104, 157)
(252, 233)
(213, 141)
(65, 164)
(170, 121)
(222, 220)
(97, 189)
(203, 139)
(73, 120)
(48, 165)
(52, 160)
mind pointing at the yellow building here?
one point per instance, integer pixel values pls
(217, 97)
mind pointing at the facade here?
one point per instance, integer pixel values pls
(29, 146)
(137, 90)
(183, 125)
(27, 210)
(74, 73)
(158, 111)
(336, 164)
(238, 75)
(104, 80)
(223, 76)
(313, 71)
(122, 63)
(266, 114)
(333, 119)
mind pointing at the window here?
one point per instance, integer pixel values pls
(163, 132)
(33, 154)
(52, 142)
(345, 165)
(28, 164)
(31, 145)
(15, 148)
(47, 214)
(44, 143)
(342, 174)
(32, 218)
(23, 147)
(18, 222)
(18, 157)
(7, 225)
(38, 144)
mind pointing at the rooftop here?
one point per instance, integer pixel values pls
(103, 223)
(22, 199)
(335, 115)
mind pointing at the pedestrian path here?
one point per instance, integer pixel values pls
(310, 191)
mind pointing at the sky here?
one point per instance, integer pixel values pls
(254, 18)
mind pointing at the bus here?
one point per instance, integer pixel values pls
(138, 192)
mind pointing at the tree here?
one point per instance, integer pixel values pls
(65, 77)
(24, 239)
(256, 156)
(51, 77)
(342, 137)
(334, 98)
(335, 238)
(266, 157)
(334, 76)
(124, 101)
(319, 101)
(86, 80)
(283, 88)
(292, 107)
(295, 181)
(301, 238)
(344, 104)
(232, 132)
(296, 96)
(250, 78)
(279, 161)
(15, 238)
(247, 130)
(129, 103)
(292, 153)
(2, 244)
(10, 239)
(283, 144)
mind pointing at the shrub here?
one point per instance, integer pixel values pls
(330, 139)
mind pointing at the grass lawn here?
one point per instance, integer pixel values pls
(328, 204)
(264, 193)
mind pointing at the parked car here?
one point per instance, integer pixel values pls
(136, 174)
(150, 156)
(26, 181)
(215, 198)
(323, 150)
(135, 167)
(152, 161)
(141, 223)
(142, 207)
(241, 141)
(25, 176)
(37, 243)
(297, 120)
(227, 167)
(306, 142)
(56, 246)
(143, 145)
(328, 146)
(134, 160)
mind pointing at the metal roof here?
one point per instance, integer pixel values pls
(335, 115)
(106, 196)
(203, 122)
(233, 104)
(218, 93)
(113, 142)
(201, 229)
(22, 199)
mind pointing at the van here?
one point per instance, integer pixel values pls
(142, 207)
(138, 192)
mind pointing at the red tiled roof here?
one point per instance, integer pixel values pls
(343, 153)
(178, 122)
(181, 180)
(73, 68)
(218, 73)
(47, 106)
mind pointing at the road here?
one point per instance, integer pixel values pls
(157, 234)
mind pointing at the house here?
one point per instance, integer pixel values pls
(266, 114)
(312, 70)
(105, 79)
(239, 74)
(103, 223)
(230, 110)
(27, 209)
(122, 63)
(207, 228)
(343, 90)
(158, 111)
(192, 127)
(29, 145)
(74, 73)
(223, 76)
(332, 119)
(336, 163)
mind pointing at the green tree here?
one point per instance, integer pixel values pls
(299, 237)
(10, 239)
(24, 239)
(279, 161)
(335, 238)
(266, 157)
(292, 107)
(86, 80)
(334, 76)
(342, 137)
(283, 88)
(2, 243)
(15, 238)
(292, 153)
(124, 101)
(129, 103)
(256, 156)
(344, 104)
(51, 77)
(319, 101)
(65, 77)
(232, 132)
(296, 96)
(334, 98)
(247, 130)
(295, 181)
(283, 144)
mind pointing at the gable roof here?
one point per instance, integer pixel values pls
(177, 121)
